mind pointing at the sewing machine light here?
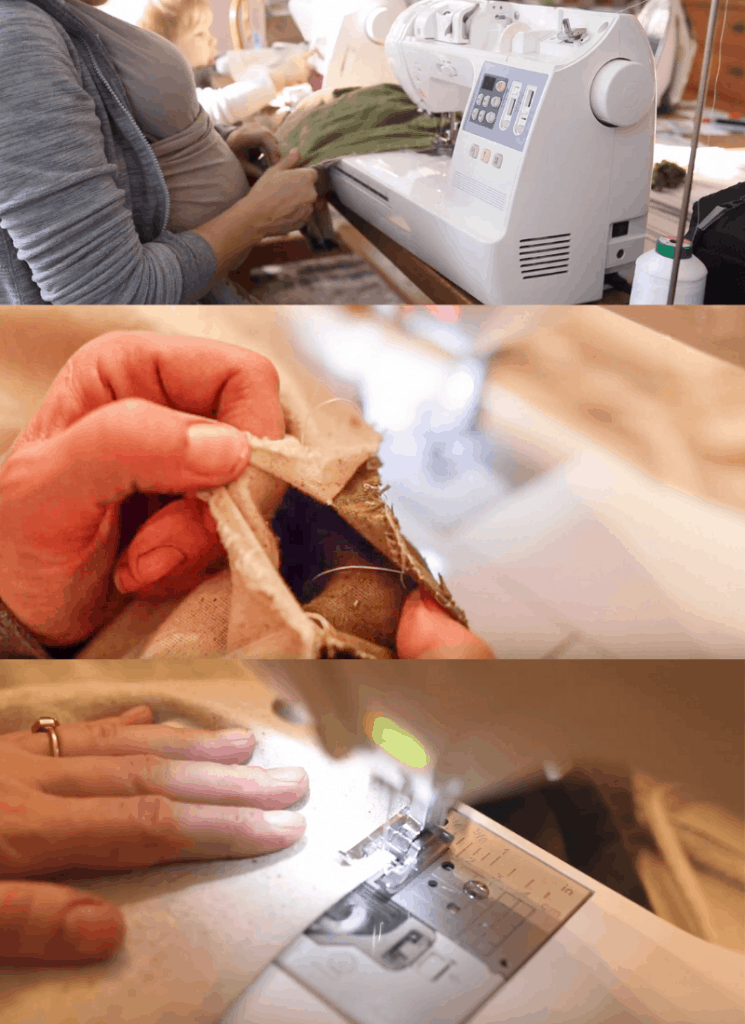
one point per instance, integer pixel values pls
(397, 742)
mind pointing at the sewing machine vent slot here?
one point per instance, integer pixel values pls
(544, 257)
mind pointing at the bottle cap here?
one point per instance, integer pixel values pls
(666, 247)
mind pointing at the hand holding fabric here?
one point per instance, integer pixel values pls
(129, 414)
(250, 142)
(284, 197)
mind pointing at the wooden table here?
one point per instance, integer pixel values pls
(717, 330)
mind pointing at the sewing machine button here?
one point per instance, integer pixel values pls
(485, 155)
(490, 117)
(474, 114)
(480, 97)
(474, 151)
(501, 86)
(496, 100)
(481, 115)
(497, 161)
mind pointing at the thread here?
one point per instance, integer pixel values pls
(329, 401)
(642, 3)
(367, 568)
(719, 57)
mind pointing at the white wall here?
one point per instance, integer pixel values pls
(221, 24)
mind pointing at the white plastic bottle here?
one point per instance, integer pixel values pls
(653, 272)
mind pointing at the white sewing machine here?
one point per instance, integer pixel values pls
(349, 39)
(460, 920)
(543, 189)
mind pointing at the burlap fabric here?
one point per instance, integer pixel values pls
(320, 486)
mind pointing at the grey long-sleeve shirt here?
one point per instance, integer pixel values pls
(83, 202)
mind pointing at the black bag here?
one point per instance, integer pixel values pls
(717, 232)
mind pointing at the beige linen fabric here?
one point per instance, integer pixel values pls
(197, 933)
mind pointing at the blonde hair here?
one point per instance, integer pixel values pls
(166, 17)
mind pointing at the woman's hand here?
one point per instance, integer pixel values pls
(125, 795)
(426, 631)
(283, 198)
(250, 142)
(128, 413)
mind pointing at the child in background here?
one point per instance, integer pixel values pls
(187, 24)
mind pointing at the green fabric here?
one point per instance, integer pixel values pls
(377, 119)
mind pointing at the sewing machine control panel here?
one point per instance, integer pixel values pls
(436, 942)
(503, 104)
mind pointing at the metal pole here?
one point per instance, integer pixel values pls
(702, 87)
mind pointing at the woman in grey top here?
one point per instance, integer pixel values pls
(115, 187)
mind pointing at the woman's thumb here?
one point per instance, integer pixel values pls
(426, 631)
(45, 923)
(289, 160)
(134, 445)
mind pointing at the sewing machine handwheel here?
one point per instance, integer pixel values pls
(622, 93)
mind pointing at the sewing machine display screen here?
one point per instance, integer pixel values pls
(436, 948)
(503, 105)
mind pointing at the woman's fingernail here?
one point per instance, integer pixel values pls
(234, 735)
(92, 928)
(283, 821)
(215, 448)
(286, 774)
(426, 626)
(156, 564)
(142, 713)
